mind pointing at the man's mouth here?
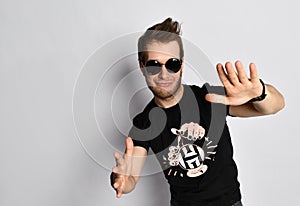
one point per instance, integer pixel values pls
(163, 84)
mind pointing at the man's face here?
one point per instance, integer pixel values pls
(163, 84)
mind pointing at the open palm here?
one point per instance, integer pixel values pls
(239, 88)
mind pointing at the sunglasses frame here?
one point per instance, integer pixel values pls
(158, 64)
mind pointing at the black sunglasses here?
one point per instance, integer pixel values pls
(153, 67)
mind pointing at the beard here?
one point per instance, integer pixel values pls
(164, 94)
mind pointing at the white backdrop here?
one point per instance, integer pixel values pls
(43, 46)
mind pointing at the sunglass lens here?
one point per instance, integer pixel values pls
(153, 67)
(173, 65)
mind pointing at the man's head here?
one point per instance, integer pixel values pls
(160, 52)
(164, 32)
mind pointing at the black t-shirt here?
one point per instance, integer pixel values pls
(192, 143)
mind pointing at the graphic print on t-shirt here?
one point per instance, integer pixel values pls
(186, 153)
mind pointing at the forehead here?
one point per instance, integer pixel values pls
(159, 50)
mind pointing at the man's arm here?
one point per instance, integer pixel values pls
(127, 171)
(272, 104)
(240, 89)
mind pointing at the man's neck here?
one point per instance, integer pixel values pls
(171, 101)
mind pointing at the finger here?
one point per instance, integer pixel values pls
(116, 185)
(175, 131)
(184, 128)
(190, 131)
(129, 146)
(119, 181)
(241, 72)
(120, 190)
(223, 76)
(232, 74)
(216, 98)
(196, 131)
(121, 168)
(116, 170)
(253, 73)
(201, 132)
(119, 159)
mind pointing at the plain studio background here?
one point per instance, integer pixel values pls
(43, 46)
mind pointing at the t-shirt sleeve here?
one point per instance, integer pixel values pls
(139, 123)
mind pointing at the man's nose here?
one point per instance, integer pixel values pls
(164, 72)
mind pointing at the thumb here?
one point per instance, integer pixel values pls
(175, 131)
(216, 98)
(129, 146)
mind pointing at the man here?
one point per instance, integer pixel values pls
(185, 126)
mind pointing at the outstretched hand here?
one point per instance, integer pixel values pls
(239, 88)
(122, 170)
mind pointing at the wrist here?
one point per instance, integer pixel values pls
(263, 94)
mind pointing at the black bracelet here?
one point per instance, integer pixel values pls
(262, 96)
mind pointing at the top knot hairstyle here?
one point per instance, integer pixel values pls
(164, 32)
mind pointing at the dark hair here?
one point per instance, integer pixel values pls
(164, 32)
